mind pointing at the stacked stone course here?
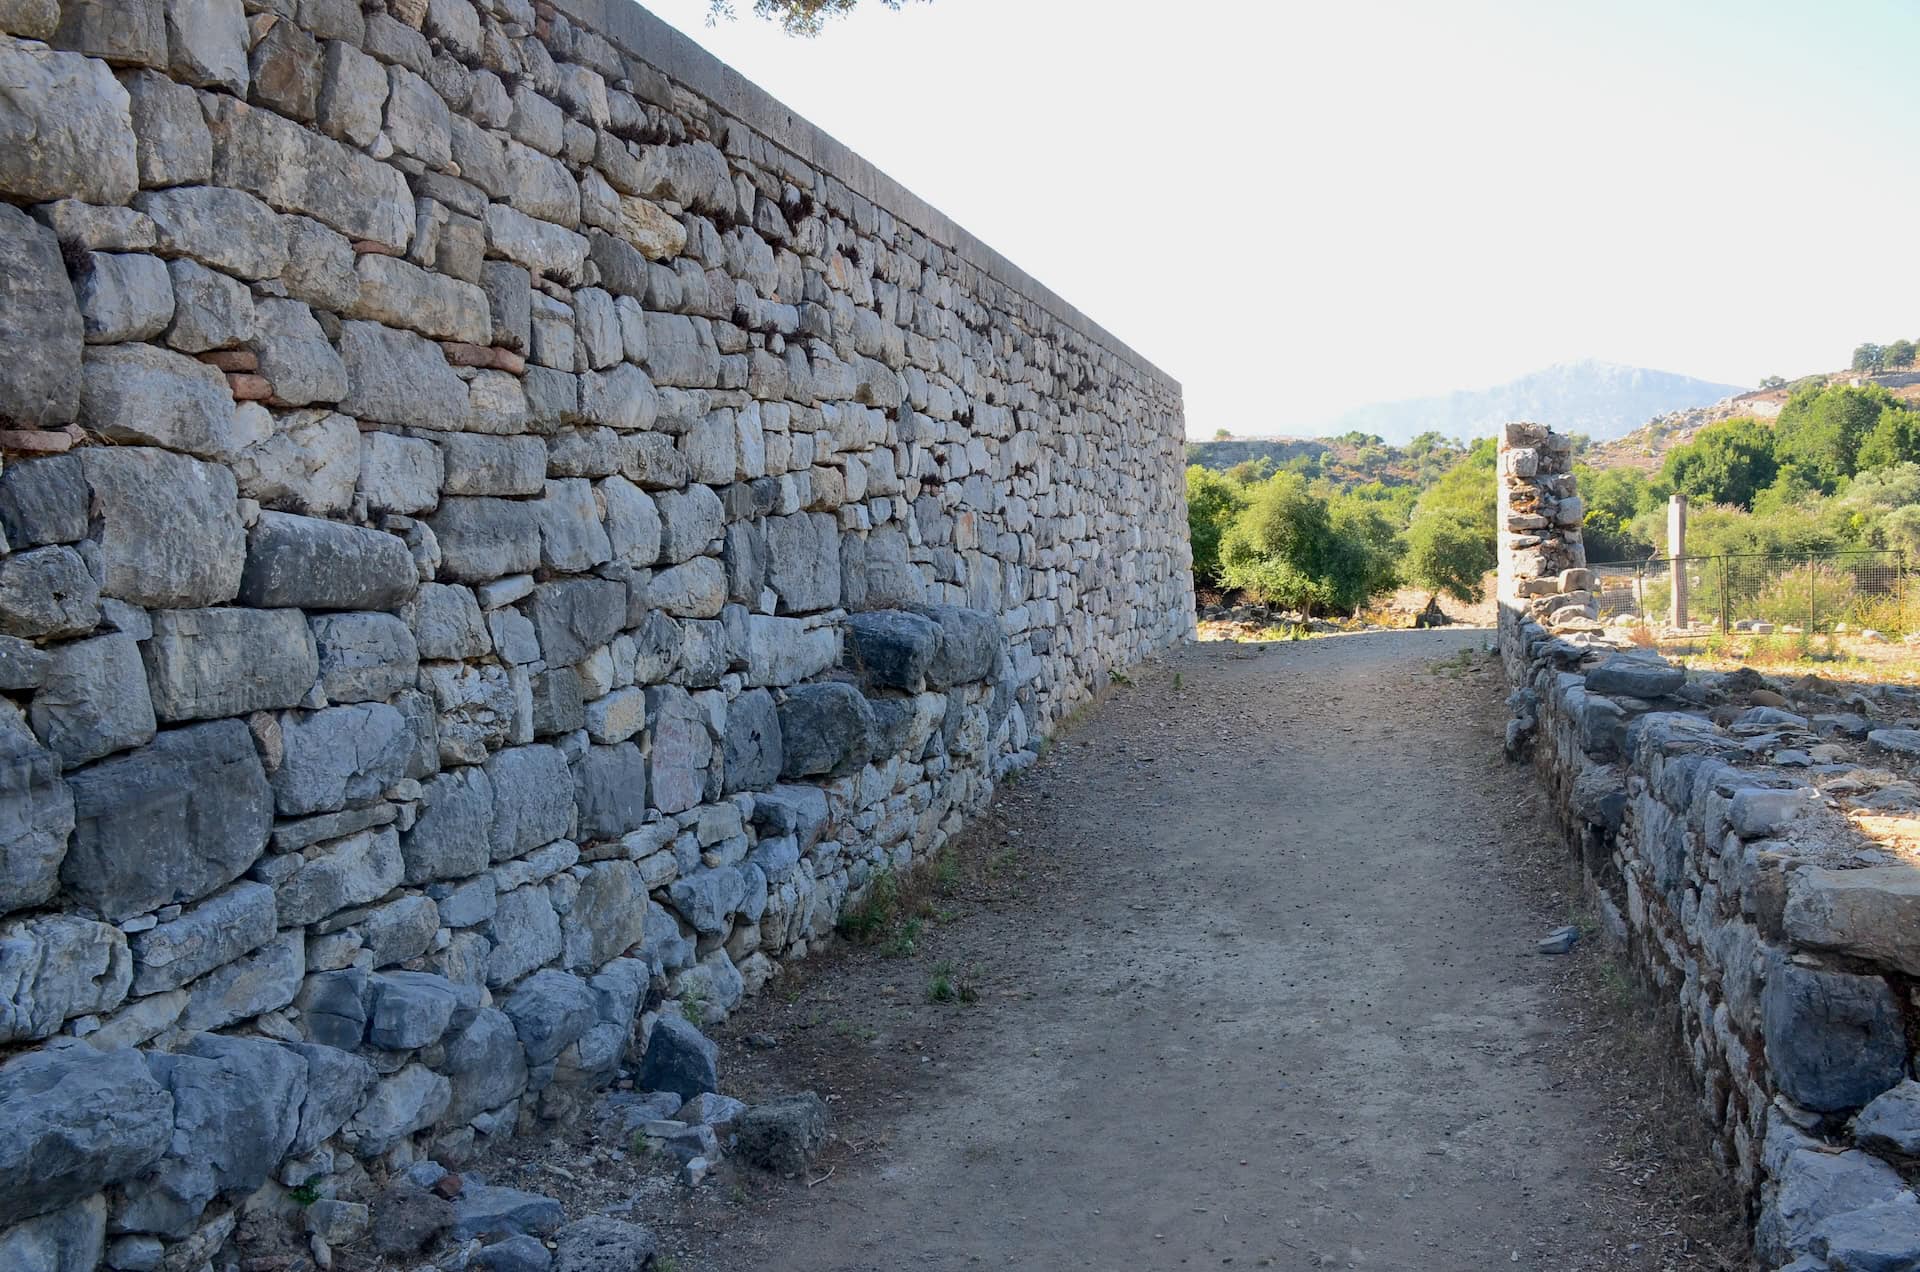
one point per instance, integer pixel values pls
(1717, 834)
(492, 540)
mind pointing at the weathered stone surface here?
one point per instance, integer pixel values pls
(43, 501)
(265, 980)
(352, 95)
(754, 754)
(411, 1100)
(525, 932)
(1871, 913)
(891, 649)
(72, 1239)
(477, 708)
(34, 19)
(339, 756)
(622, 398)
(1883, 1235)
(36, 816)
(175, 147)
(55, 967)
(825, 729)
(485, 1063)
(143, 394)
(397, 377)
(709, 897)
(123, 296)
(783, 651)
(572, 616)
(207, 43)
(532, 799)
(206, 663)
(485, 539)
(40, 323)
(346, 872)
(482, 1209)
(181, 552)
(549, 1010)
(74, 1120)
(610, 789)
(804, 561)
(410, 1009)
(478, 465)
(1636, 677)
(210, 312)
(229, 230)
(1834, 1041)
(1810, 1187)
(679, 1058)
(194, 798)
(601, 1244)
(364, 657)
(607, 917)
(692, 589)
(317, 564)
(572, 539)
(296, 355)
(47, 592)
(690, 520)
(94, 701)
(969, 646)
(286, 68)
(307, 462)
(217, 931)
(400, 294)
(296, 170)
(783, 1135)
(682, 749)
(1891, 1121)
(407, 1219)
(399, 474)
(68, 133)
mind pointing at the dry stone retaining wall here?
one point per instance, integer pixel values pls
(502, 524)
(1749, 844)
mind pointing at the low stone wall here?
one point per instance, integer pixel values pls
(1750, 845)
(503, 525)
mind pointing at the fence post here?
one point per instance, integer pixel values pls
(1726, 604)
(1813, 615)
(1676, 554)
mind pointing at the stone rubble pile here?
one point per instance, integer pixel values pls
(492, 542)
(1755, 847)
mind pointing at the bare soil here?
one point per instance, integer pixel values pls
(1252, 983)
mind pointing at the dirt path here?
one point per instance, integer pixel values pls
(1256, 988)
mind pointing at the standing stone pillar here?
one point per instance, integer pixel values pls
(1676, 556)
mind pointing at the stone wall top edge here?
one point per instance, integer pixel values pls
(641, 35)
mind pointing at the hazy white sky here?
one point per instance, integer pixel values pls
(1296, 206)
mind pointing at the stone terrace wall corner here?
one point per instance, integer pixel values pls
(1716, 820)
(503, 525)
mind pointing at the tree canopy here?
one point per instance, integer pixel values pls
(796, 17)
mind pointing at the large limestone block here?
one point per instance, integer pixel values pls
(340, 756)
(804, 561)
(228, 230)
(236, 1106)
(152, 396)
(207, 663)
(396, 377)
(74, 1120)
(1872, 913)
(195, 799)
(66, 126)
(308, 461)
(1833, 1040)
(124, 296)
(56, 967)
(36, 816)
(40, 322)
(211, 934)
(341, 873)
(181, 552)
(316, 564)
(95, 699)
(296, 170)
(207, 41)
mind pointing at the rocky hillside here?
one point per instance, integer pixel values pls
(1600, 399)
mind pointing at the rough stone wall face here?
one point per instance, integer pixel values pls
(492, 539)
(1779, 943)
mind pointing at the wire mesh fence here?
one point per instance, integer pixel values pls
(1865, 592)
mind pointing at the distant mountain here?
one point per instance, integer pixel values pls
(1600, 399)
